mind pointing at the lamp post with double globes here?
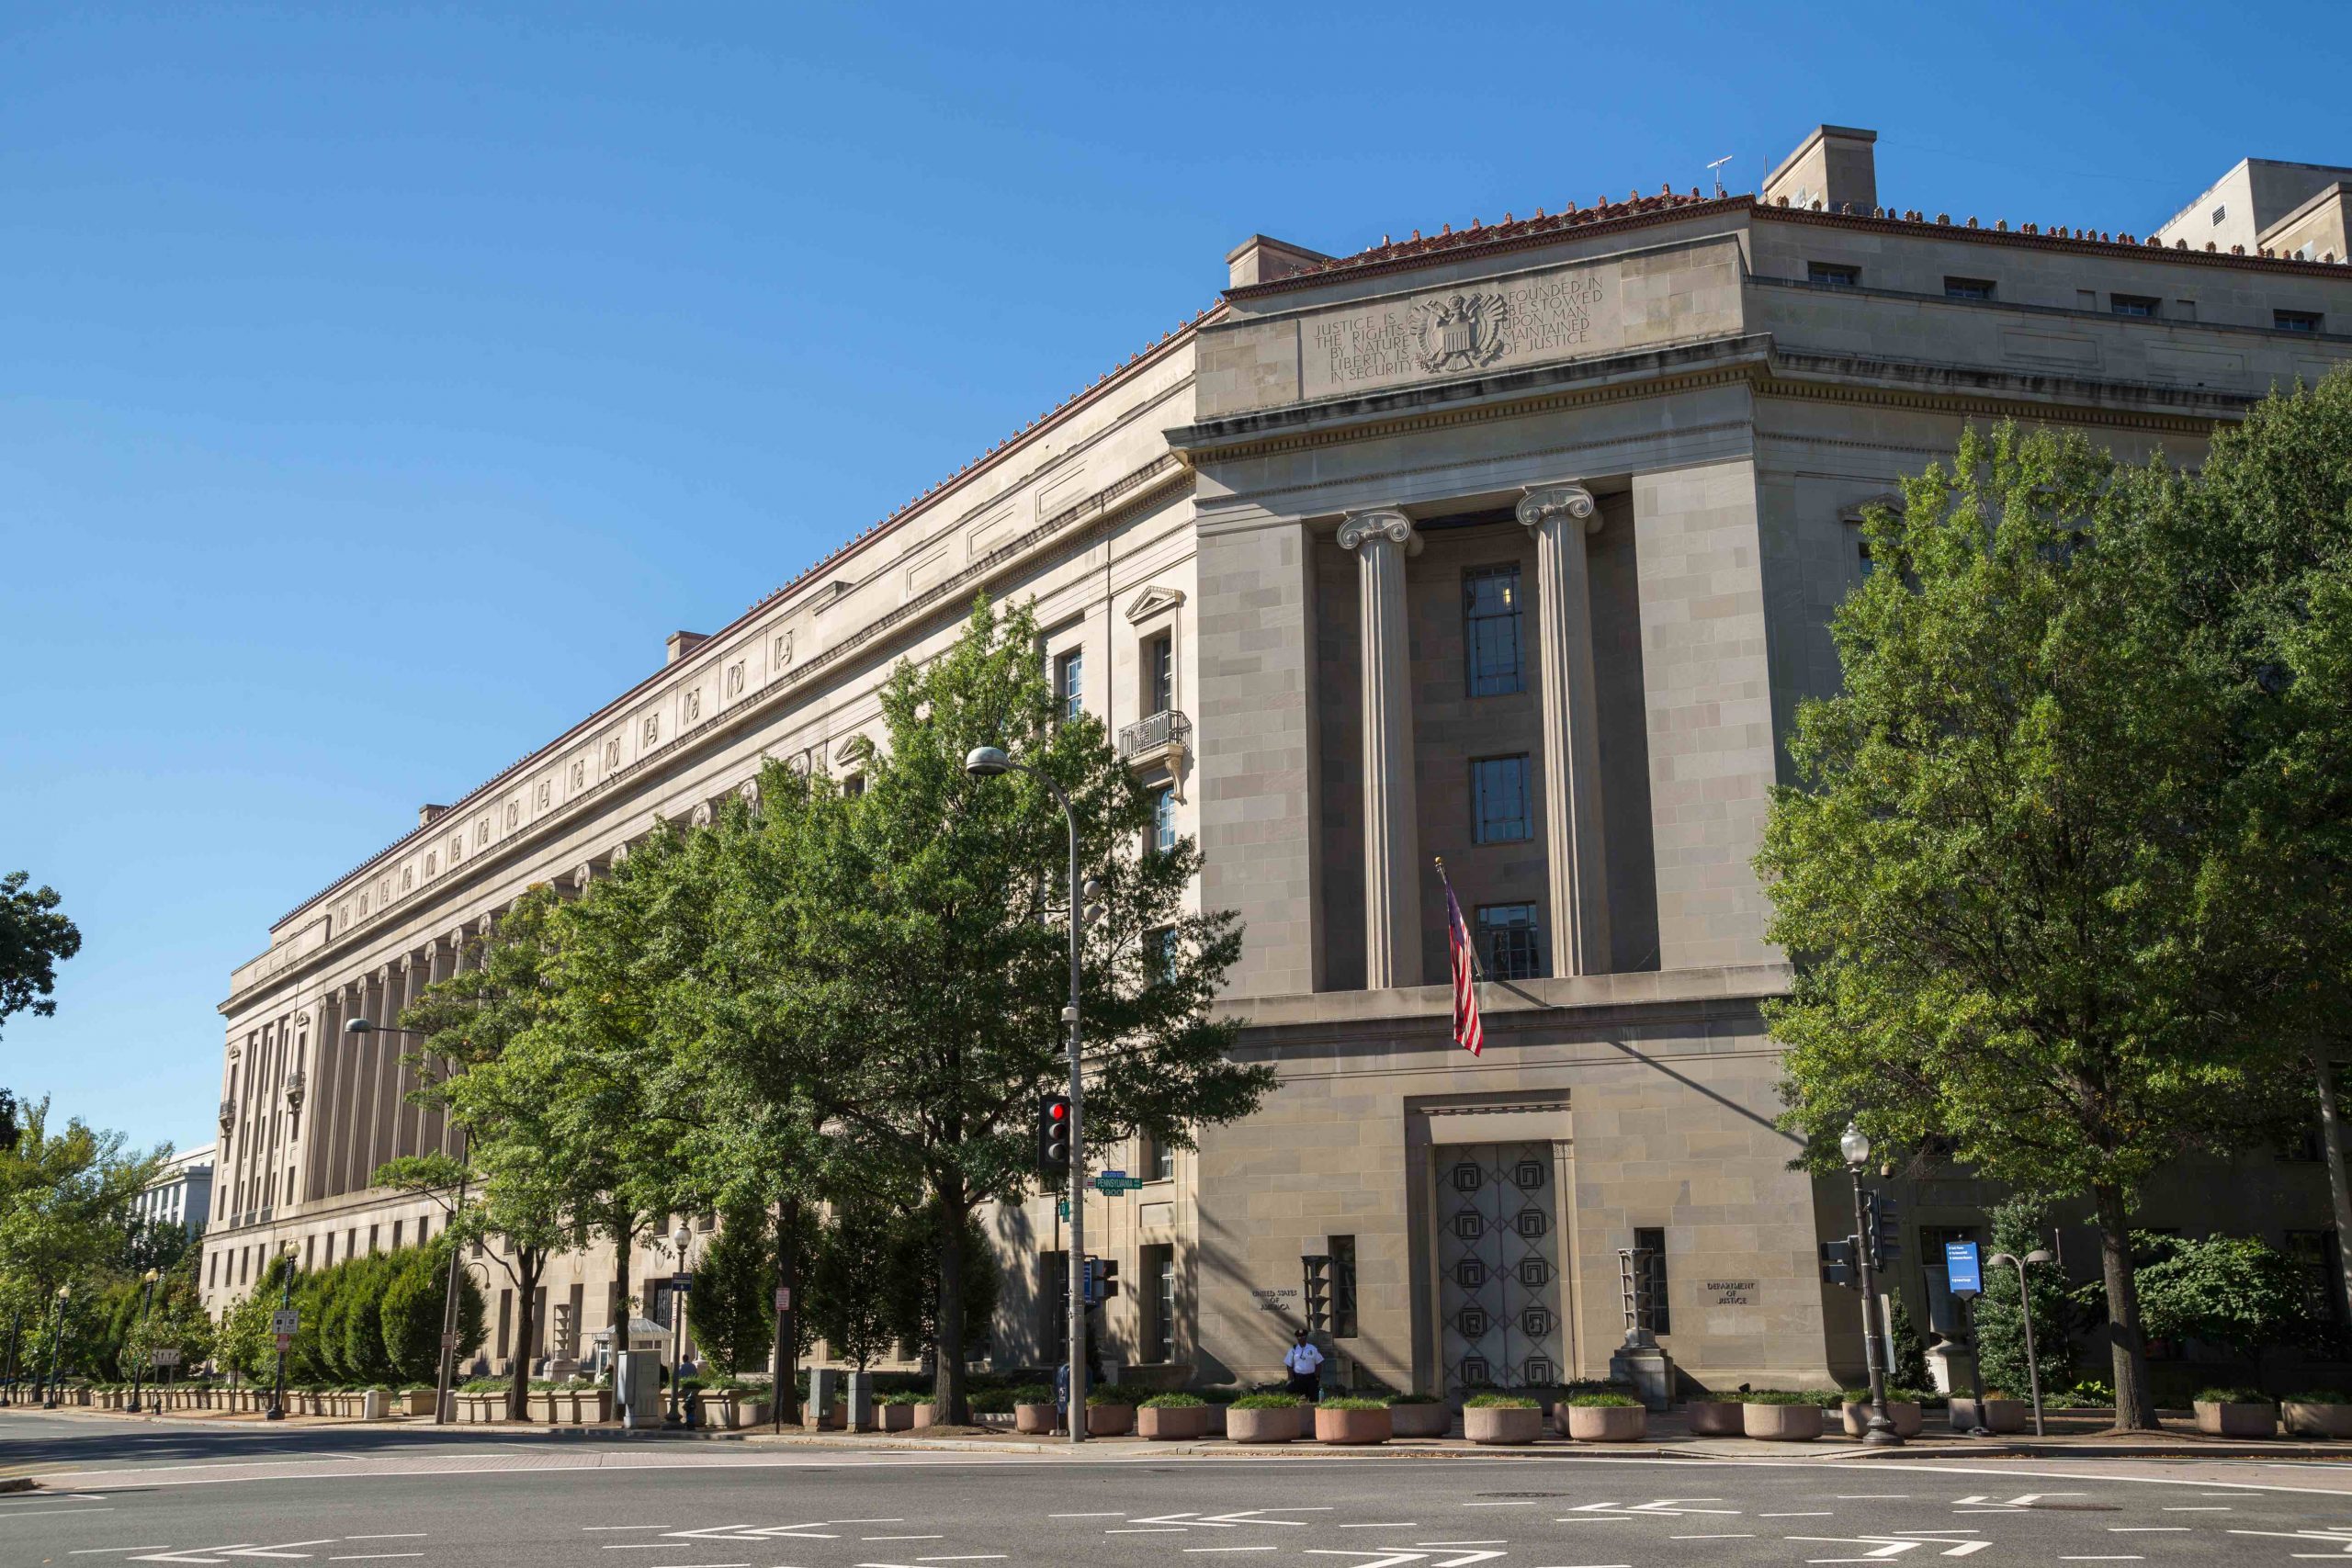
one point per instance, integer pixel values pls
(444, 1398)
(1880, 1429)
(988, 761)
(2025, 1304)
(679, 1240)
(138, 1366)
(56, 1343)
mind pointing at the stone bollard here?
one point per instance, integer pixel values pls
(861, 1401)
(823, 1385)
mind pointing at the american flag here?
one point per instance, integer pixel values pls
(1469, 1031)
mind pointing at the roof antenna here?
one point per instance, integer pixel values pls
(1714, 171)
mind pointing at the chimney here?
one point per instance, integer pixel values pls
(428, 815)
(1261, 260)
(1835, 166)
(683, 643)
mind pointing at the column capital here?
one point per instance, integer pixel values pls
(1543, 503)
(1379, 522)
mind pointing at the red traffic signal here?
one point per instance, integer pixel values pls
(1053, 1134)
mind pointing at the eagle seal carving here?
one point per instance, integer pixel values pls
(1462, 332)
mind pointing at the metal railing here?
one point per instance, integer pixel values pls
(1161, 729)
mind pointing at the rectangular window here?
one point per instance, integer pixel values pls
(1490, 632)
(1053, 1306)
(1833, 275)
(2314, 1252)
(309, 1245)
(2295, 321)
(1158, 953)
(2133, 304)
(214, 1282)
(1498, 800)
(853, 786)
(1649, 1279)
(1967, 288)
(1160, 674)
(1510, 942)
(1163, 818)
(1343, 1286)
(371, 1240)
(397, 1227)
(1069, 681)
(505, 1340)
(1159, 1314)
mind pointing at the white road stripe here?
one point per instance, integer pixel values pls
(1204, 1549)
(380, 1556)
(35, 1513)
(902, 1537)
(90, 1551)
(624, 1526)
(396, 1535)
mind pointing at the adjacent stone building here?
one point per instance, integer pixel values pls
(1514, 545)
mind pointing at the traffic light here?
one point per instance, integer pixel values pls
(1837, 1262)
(1886, 1229)
(1053, 1134)
(1319, 1291)
(1101, 1280)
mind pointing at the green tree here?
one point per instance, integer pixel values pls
(2229, 1292)
(915, 1282)
(729, 1309)
(1906, 1353)
(851, 1288)
(34, 940)
(1993, 868)
(415, 1307)
(65, 1201)
(2018, 1226)
(365, 1358)
(891, 961)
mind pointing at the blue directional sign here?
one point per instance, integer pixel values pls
(1964, 1275)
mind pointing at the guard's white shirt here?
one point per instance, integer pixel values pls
(1302, 1357)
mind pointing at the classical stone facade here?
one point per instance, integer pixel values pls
(1514, 546)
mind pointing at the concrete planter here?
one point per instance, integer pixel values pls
(1501, 1423)
(1109, 1420)
(2236, 1420)
(1716, 1418)
(413, 1401)
(2317, 1420)
(1904, 1413)
(596, 1406)
(1177, 1424)
(926, 1415)
(897, 1417)
(1607, 1422)
(1352, 1427)
(1782, 1423)
(1421, 1420)
(542, 1405)
(2000, 1414)
(1281, 1425)
(1031, 1418)
(374, 1405)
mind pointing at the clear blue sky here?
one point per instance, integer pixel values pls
(378, 384)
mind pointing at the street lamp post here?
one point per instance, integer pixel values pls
(276, 1411)
(679, 1240)
(1880, 1429)
(8, 1385)
(56, 1342)
(138, 1366)
(988, 761)
(2025, 1304)
(444, 1398)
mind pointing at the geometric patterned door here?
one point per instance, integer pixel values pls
(1499, 1265)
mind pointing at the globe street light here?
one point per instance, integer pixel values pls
(2025, 1301)
(276, 1411)
(8, 1384)
(1879, 1430)
(138, 1366)
(679, 1240)
(56, 1341)
(445, 1397)
(988, 761)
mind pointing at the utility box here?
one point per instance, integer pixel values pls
(861, 1401)
(824, 1393)
(637, 1388)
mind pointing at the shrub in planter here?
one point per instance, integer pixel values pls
(1173, 1417)
(1420, 1416)
(1109, 1413)
(1346, 1420)
(1603, 1419)
(2319, 1413)
(2237, 1413)
(1781, 1416)
(1715, 1416)
(1033, 1408)
(1502, 1418)
(2001, 1412)
(1264, 1418)
(1902, 1408)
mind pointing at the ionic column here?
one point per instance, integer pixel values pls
(1392, 916)
(388, 1072)
(1559, 516)
(351, 1097)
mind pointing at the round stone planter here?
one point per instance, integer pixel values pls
(897, 1417)
(1607, 1422)
(2236, 1420)
(1421, 1420)
(1109, 1420)
(1027, 1417)
(1716, 1418)
(2317, 1420)
(924, 1416)
(1175, 1424)
(1782, 1423)
(1352, 1426)
(2000, 1414)
(1501, 1423)
(1904, 1413)
(1282, 1424)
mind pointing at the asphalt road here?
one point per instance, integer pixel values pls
(202, 1493)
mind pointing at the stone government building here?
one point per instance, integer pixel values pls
(1515, 544)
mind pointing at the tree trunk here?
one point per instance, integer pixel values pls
(2135, 1403)
(787, 1402)
(2331, 1144)
(528, 1267)
(624, 1243)
(947, 1382)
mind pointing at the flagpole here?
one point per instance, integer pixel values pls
(1477, 970)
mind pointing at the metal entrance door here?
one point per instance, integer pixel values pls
(1499, 1265)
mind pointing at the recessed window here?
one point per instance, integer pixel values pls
(2295, 321)
(2220, 212)
(1510, 942)
(1649, 1254)
(1490, 632)
(1163, 818)
(1160, 674)
(2133, 304)
(853, 786)
(1967, 288)
(1833, 275)
(1069, 683)
(1498, 800)
(1343, 1287)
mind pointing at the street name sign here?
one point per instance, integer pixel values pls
(163, 1356)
